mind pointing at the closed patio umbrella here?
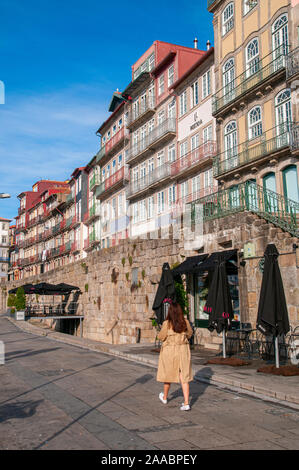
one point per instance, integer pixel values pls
(272, 317)
(219, 303)
(166, 290)
(28, 289)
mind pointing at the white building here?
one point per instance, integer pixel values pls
(4, 246)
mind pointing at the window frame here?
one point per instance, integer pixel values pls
(228, 23)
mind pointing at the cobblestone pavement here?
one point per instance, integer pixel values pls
(58, 396)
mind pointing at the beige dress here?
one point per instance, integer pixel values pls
(175, 356)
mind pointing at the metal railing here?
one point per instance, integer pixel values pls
(141, 110)
(256, 73)
(101, 153)
(191, 159)
(249, 196)
(292, 63)
(271, 141)
(166, 127)
(121, 175)
(158, 174)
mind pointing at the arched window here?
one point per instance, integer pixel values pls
(249, 5)
(228, 18)
(228, 77)
(280, 36)
(255, 128)
(252, 57)
(230, 145)
(283, 111)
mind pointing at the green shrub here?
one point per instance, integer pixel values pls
(20, 302)
(11, 300)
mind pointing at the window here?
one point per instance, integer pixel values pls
(249, 5)
(228, 77)
(113, 167)
(283, 112)
(171, 109)
(230, 144)
(252, 57)
(196, 184)
(79, 184)
(171, 153)
(280, 36)
(255, 128)
(160, 158)
(206, 84)
(120, 161)
(171, 195)
(161, 85)
(161, 117)
(160, 202)
(228, 18)
(150, 206)
(170, 75)
(114, 130)
(135, 212)
(151, 164)
(184, 189)
(208, 178)
(183, 103)
(194, 94)
(207, 134)
(194, 141)
(183, 148)
(142, 210)
(120, 123)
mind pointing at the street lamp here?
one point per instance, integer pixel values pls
(4, 195)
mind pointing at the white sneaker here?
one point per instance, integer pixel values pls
(185, 407)
(161, 396)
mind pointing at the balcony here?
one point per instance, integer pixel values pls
(269, 144)
(141, 113)
(69, 199)
(293, 64)
(151, 180)
(90, 242)
(101, 153)
(94, 182)
(21, 210)
(193, 159)
(158, 136)
(113, 182)
(116, 141)
(260, 75)
(249, 196)
(75, 247)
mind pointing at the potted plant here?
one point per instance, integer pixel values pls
(20, 304)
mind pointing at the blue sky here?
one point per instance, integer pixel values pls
(60, 63)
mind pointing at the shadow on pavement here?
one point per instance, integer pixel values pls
(18, 410)
(194, 392)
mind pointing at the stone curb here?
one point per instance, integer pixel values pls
(217, 380)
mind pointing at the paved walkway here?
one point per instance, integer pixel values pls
(244, 379)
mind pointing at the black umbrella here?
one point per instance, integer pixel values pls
(272, 317)
(63, 288)
(28, 289)
(166, 290)
(219, 303)
(44, 288)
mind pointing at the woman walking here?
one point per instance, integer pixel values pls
(175, 357)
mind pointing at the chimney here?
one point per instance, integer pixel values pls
(195, 43)
(208, 45)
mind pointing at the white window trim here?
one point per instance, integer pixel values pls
(228, 23)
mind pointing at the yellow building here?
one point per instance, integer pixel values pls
(255, 104)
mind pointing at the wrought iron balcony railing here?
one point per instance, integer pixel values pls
(160, 132)
(271, 141)
(120, 176)
(249, 196)
(153, 177)
(293, 63)
(256, 74)
(193, 158)
(141, 111)
(94, 182)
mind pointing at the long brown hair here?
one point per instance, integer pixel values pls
(176, 318)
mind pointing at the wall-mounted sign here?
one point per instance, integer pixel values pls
(196, 122)
(249, 250)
